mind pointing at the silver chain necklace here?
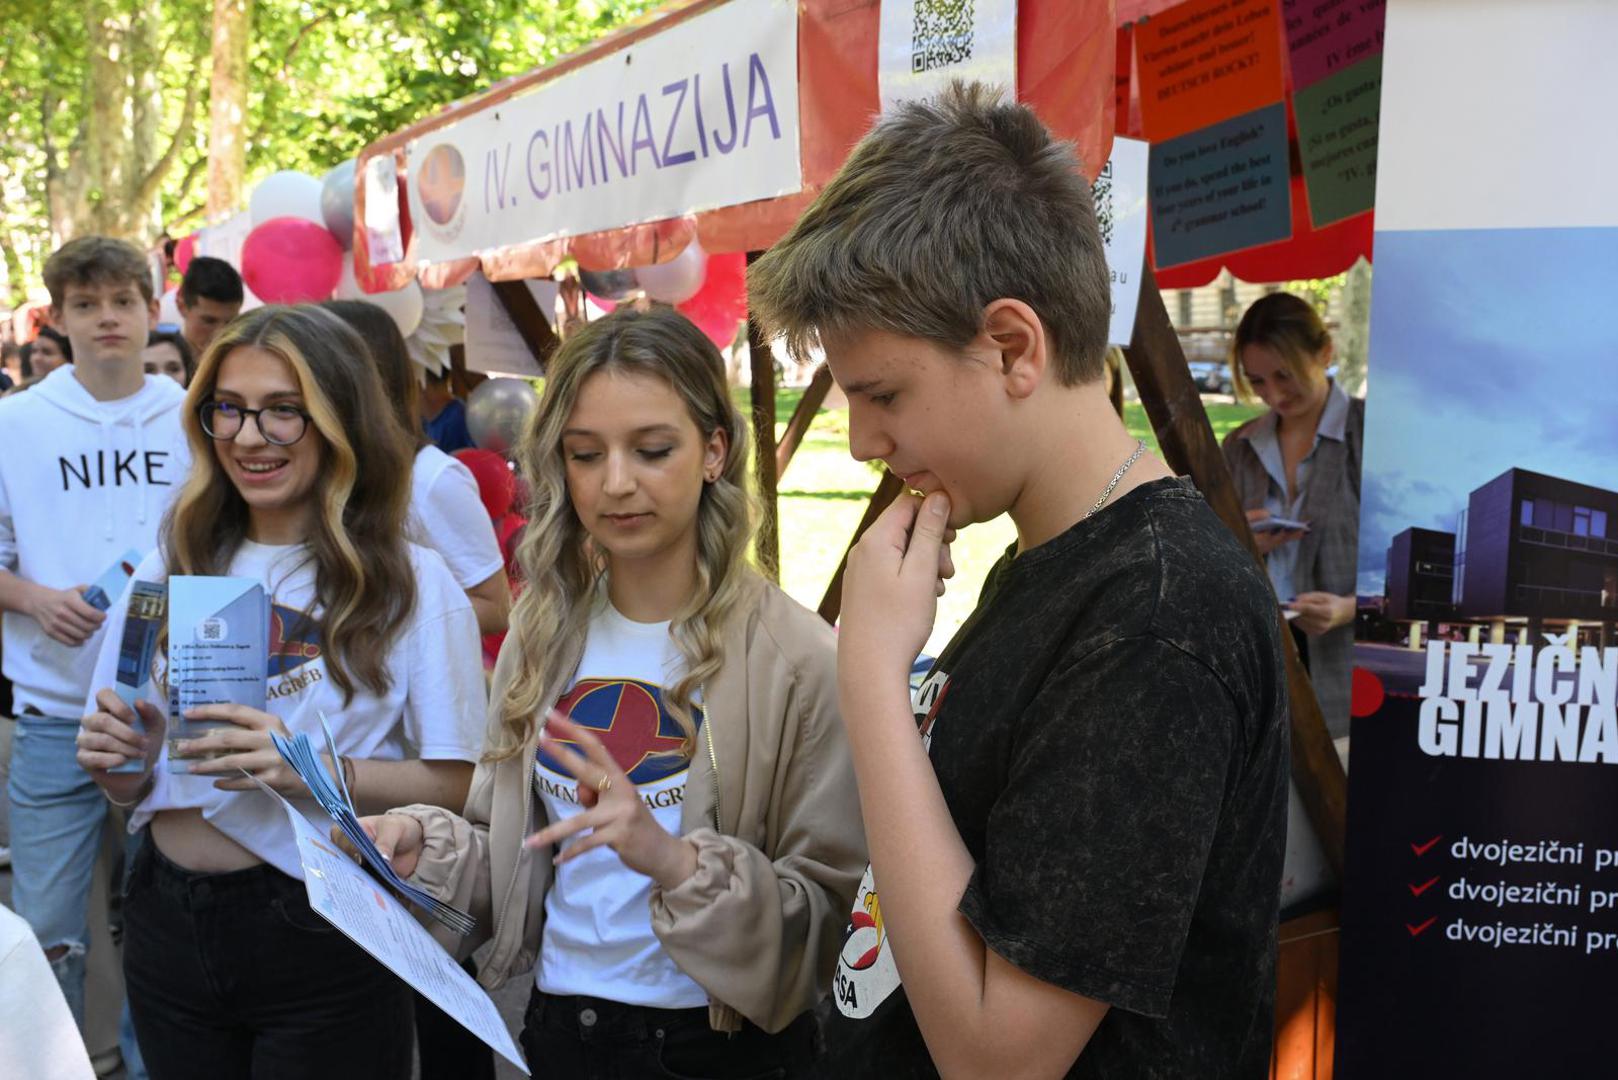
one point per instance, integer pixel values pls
(1140, 448)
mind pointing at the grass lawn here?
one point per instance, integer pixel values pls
(824, 492)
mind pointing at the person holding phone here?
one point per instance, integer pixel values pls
(1298, 464)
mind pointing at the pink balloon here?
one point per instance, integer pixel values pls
(721, 303)
(184, 251)
(290, 260)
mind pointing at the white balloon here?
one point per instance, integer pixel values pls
(677, 280)
(405, 305)
(286, 194)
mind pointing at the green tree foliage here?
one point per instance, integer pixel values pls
(105, 102)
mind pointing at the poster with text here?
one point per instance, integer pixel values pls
(1480, 903)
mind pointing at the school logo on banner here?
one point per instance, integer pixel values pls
(442, 187)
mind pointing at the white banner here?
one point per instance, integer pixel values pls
(224, 241)
(926, 43)
(701, 116)
(1120, 198)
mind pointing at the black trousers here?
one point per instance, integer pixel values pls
(233, 975)
(584, 1038)
(446, 1050)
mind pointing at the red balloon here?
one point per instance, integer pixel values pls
(184, 251)
(289, 260)
(721, 303)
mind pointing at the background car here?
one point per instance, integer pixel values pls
(1211, 377)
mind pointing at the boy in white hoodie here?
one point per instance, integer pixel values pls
(89, 459)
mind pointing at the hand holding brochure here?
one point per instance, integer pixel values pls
(300, 753)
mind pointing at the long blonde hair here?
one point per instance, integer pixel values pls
(562, 567)
(363, 575)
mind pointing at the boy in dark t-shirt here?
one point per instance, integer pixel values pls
(1075, 871)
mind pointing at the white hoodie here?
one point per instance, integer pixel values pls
(81, 482)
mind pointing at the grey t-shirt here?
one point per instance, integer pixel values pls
(1109, 732)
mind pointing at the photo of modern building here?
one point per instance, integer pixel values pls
(1530, 552)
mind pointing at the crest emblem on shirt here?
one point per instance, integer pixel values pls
(630, 718)
(294, 640)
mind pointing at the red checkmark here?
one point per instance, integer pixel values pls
(1422, 849)
(1419, 927)
(1417, 890)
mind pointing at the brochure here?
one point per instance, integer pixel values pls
(334, 798)
(110, 584)
(143, 623)
(218, 650)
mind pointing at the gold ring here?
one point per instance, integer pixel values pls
(605, 785)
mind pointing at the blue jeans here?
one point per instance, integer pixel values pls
(57, 814)
(56, 817)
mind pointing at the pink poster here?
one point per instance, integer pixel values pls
(1325, 36)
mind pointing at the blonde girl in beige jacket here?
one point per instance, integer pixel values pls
(665, 829)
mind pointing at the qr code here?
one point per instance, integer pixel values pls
(1101, 193)
(942, 34)
(211, 629)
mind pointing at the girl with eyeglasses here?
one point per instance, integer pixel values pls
(301, 481)
(663, 730)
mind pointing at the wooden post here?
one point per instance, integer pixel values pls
(813, 397)
(768, 541)
(462, 380)
(531, 322)
(831, 605)
(1188, 445)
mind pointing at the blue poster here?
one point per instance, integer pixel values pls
(1221, 188)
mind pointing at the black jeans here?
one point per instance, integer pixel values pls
(584, 1038)
(233, 975)
(444, 1048)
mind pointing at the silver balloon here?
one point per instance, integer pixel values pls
(337, 202)
(497, 411)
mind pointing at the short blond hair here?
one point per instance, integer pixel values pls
(945, 206)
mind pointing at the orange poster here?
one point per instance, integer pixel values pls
(1206, 61)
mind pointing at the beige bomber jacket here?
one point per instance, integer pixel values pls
(780, 842)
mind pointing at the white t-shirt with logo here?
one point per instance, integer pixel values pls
(433, 710)
(598, 939)
(447, 514)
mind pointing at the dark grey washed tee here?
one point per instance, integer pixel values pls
(1109, 731)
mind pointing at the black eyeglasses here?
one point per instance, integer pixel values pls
(281, 425)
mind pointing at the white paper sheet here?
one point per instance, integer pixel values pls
(352, 901)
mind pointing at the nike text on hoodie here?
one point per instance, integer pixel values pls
(81, 483)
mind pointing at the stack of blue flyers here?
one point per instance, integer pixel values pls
(334, 798)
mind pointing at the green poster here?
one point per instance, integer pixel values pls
(1337, 129)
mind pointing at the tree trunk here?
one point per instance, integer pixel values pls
(106, 128)
(227, 147)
